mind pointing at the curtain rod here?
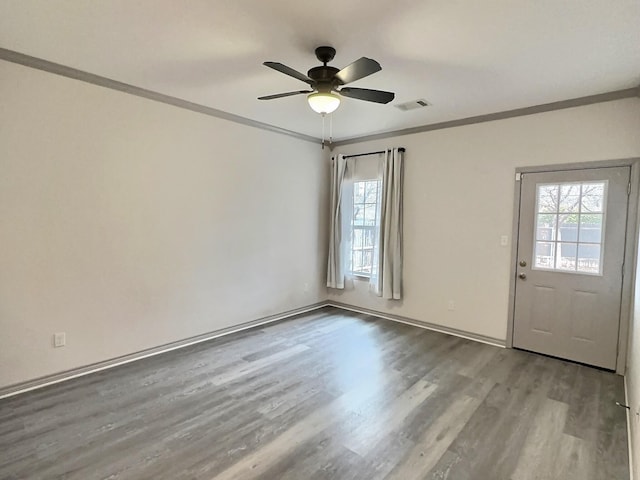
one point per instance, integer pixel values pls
(401, 149)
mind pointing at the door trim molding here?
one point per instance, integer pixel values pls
(628, 279)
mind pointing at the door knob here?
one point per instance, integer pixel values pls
(523, 275)
(523, 263)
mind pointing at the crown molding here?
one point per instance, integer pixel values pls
(69, 72)
(490, 117)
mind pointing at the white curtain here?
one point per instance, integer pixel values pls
(339, 221)
(386, 281)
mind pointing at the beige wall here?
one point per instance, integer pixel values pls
(128, 224)
(459, 187)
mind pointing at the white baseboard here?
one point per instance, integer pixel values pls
(37, 383)
(82, 371)
(41, 382)
(496, 342)
(629, 436)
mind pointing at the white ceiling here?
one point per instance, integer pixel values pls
(466, 57)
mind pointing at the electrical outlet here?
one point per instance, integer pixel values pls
(59, 339)
(451, 306)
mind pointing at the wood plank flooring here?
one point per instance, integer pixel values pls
(328, 395)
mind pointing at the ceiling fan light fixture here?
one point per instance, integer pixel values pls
(323, 102)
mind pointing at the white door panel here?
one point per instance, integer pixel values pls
(571, 241)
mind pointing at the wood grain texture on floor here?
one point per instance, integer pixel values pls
(326, 395)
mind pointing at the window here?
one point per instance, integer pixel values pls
(569, 233)
(365, 227)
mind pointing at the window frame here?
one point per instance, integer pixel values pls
(375, 228)
(555, 243)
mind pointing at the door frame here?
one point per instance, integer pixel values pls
(630, 250)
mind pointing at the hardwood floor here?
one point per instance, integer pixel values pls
(328, 395)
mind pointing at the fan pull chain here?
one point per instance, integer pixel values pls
(323, 115)
(330, 129)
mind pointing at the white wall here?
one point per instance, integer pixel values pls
(128, 223)
(459, 188)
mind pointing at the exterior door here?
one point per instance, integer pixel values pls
(571, 241)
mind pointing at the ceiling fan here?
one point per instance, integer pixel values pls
(327, 82)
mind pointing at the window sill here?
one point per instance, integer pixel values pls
(361, 278)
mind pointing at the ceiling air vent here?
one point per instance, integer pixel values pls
(412, 105)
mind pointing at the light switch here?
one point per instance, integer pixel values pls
(504, 240)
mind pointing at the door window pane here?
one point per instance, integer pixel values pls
(545, 255)
(566, 256)
(546, 227)
(569, 200)
(591, 228)
(589, 258)
(548, 198)
(569, 227)
(592, 197)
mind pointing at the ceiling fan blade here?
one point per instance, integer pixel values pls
(377, 96)
(361, 68)
(288, 71)
(280, 95)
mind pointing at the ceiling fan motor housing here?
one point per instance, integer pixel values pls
(325, 78)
